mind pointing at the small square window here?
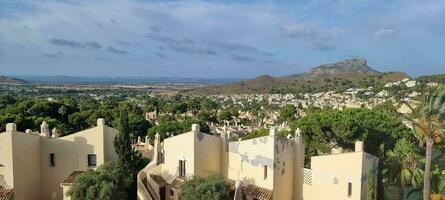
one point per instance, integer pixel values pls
(52, 159)
(91, 160)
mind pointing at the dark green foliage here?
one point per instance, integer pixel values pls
(256, 133)
(108, 182)
(378, 130)
(288, 112)
(347, 126)
(171, 127)
(129, 160)
(438, 78)
(213, 187)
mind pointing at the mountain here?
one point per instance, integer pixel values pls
(335, 76)
(11, 80)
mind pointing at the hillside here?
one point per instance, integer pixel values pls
(11, 80)
(335, 76)
(438, 78)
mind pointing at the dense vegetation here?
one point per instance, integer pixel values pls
(212, 187)
(381, 129)
(115, 179)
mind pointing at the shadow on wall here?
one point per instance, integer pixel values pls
(248, 180)
(2, 179)
(69, 156)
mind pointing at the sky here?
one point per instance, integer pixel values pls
(218, 38)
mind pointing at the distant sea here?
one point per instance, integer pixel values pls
(122, 80)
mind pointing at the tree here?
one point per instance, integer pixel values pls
(128, 158)
(256, 133)
(378, 130)
(402, 167)
(208, 104)
(106, 183)
(213, 187)
(288, 112)
(428, 124)
(438, 182)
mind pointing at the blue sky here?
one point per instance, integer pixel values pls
(236, 39)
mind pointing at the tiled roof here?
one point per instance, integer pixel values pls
(6, 193)
(69, 181)
(159, 180)
(176, 184)
(257, 192)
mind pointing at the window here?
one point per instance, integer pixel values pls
(52, 159)
(265, 171)
(181, 168)
(172, 193)
(161, 157)
(349, 189)
(91, 160)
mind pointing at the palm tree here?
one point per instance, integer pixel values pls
(428, 124)
(402, 163)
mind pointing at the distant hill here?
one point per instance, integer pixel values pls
(11, 80)
(335, 76)
(438, 78)
(356, 65)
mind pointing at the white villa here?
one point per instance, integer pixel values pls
(265, 168)
(37, 165)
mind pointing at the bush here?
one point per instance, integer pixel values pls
(213, 187)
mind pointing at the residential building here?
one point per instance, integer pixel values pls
(267, 168)
(34, 164)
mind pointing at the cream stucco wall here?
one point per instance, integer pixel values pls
(6, 164)
(71, 153)
(284, 169)
(282, 157)
(26, 159)
(19, 154)
(207, 159)
(248, 158)
(202, 153)
(26, 152)
(332, 173)
(179, 147)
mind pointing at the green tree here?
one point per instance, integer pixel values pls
(402, 166)
(106, 183)
(378, 130)
(256, 133)
(128, 159)
(288, 112)
(213, 187)
(208, 104)
(428, 121)
(63, 110)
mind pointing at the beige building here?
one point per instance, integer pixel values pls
(268, 167)
(34, 164)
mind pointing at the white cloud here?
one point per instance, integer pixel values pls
(385, 32)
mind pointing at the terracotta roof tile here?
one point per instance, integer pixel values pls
(69, 181)
(158, 179)
(6, 193)
(257, 192)
(176, 183)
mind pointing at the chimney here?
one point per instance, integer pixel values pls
(273, 131)
(100, 122)
(55, 133)
(44, 129)
(195, 128)
(358, 146)
(10, 127)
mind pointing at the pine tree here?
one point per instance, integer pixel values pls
(128, 158)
